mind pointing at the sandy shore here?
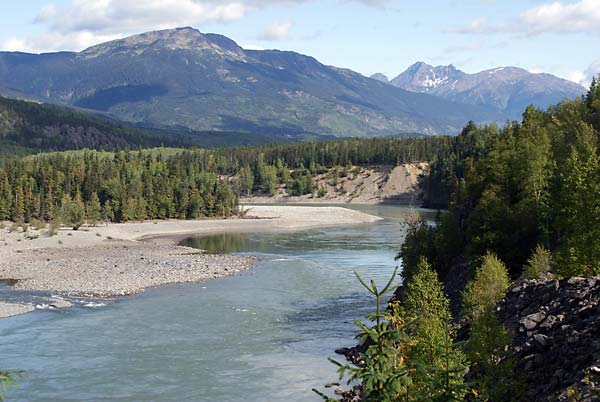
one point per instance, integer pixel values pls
(123, 259)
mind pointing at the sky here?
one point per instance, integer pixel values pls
(368, 36)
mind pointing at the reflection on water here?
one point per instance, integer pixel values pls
(264, 335)
(219, 244)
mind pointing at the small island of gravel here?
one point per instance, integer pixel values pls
(124, 259)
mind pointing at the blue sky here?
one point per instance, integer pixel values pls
(368, 36)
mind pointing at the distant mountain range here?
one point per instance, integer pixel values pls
(180, 79)
(183, 79)
(507, 90)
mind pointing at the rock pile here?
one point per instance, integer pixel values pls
(556, 344)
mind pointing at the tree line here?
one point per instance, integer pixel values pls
(164, 183)
(534, 184)
(117, 187)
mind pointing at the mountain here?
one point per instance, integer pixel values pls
(380, 77)
(506, 89)
(181, 78)
(28, 127)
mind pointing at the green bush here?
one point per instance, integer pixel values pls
(9, 379)
(538, 264)
(487, 288)
(72, 212)
(492, 376)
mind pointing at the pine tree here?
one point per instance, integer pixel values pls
(592, 101)
(384, 373)
(93, 209)
(246, 181)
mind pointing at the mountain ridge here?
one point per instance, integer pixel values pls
(184, 78)
(508, 90)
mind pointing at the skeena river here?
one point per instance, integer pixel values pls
(262, 336)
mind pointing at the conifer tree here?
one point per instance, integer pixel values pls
(492, 374)
(384, 373)
(93, 209)
(439, 364)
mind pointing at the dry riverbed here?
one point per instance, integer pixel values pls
(113, 260)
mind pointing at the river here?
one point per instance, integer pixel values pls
(262, 336)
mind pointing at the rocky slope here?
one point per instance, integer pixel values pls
(556, 344)
(555, 326)
(183, 78)
(508, 90)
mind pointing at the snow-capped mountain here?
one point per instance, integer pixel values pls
(506, 89)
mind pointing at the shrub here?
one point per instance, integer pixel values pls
(53, 229)
(492, 370)
(72, 212)
(38, 224)
(538, 264)
(487, 288)
(13, 227)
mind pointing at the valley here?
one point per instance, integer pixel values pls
(283, 211)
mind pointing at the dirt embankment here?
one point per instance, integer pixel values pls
(360, 185)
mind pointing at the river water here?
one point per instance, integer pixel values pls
(262, 336)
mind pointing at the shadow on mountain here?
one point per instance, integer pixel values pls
(105, 99)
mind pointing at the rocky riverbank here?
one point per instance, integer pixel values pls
(116, 268)
(123, 259)
(555, 327)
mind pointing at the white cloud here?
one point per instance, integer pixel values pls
(54, 41)
(577, 76)
(81, 23)
(584, 77)
(592, 71)
(582, 16)
(46, 13)
(109, 16)
(279, 30)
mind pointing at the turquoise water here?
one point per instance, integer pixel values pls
(264, 335)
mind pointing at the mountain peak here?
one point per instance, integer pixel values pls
(422, 77)
(508, 89)
(175, 38)
(380, 77)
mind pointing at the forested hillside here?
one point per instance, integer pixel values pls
(177, 183)
(535, 183)
(29, 127)
(46, 127)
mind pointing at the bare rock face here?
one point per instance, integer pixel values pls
(556, 344)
